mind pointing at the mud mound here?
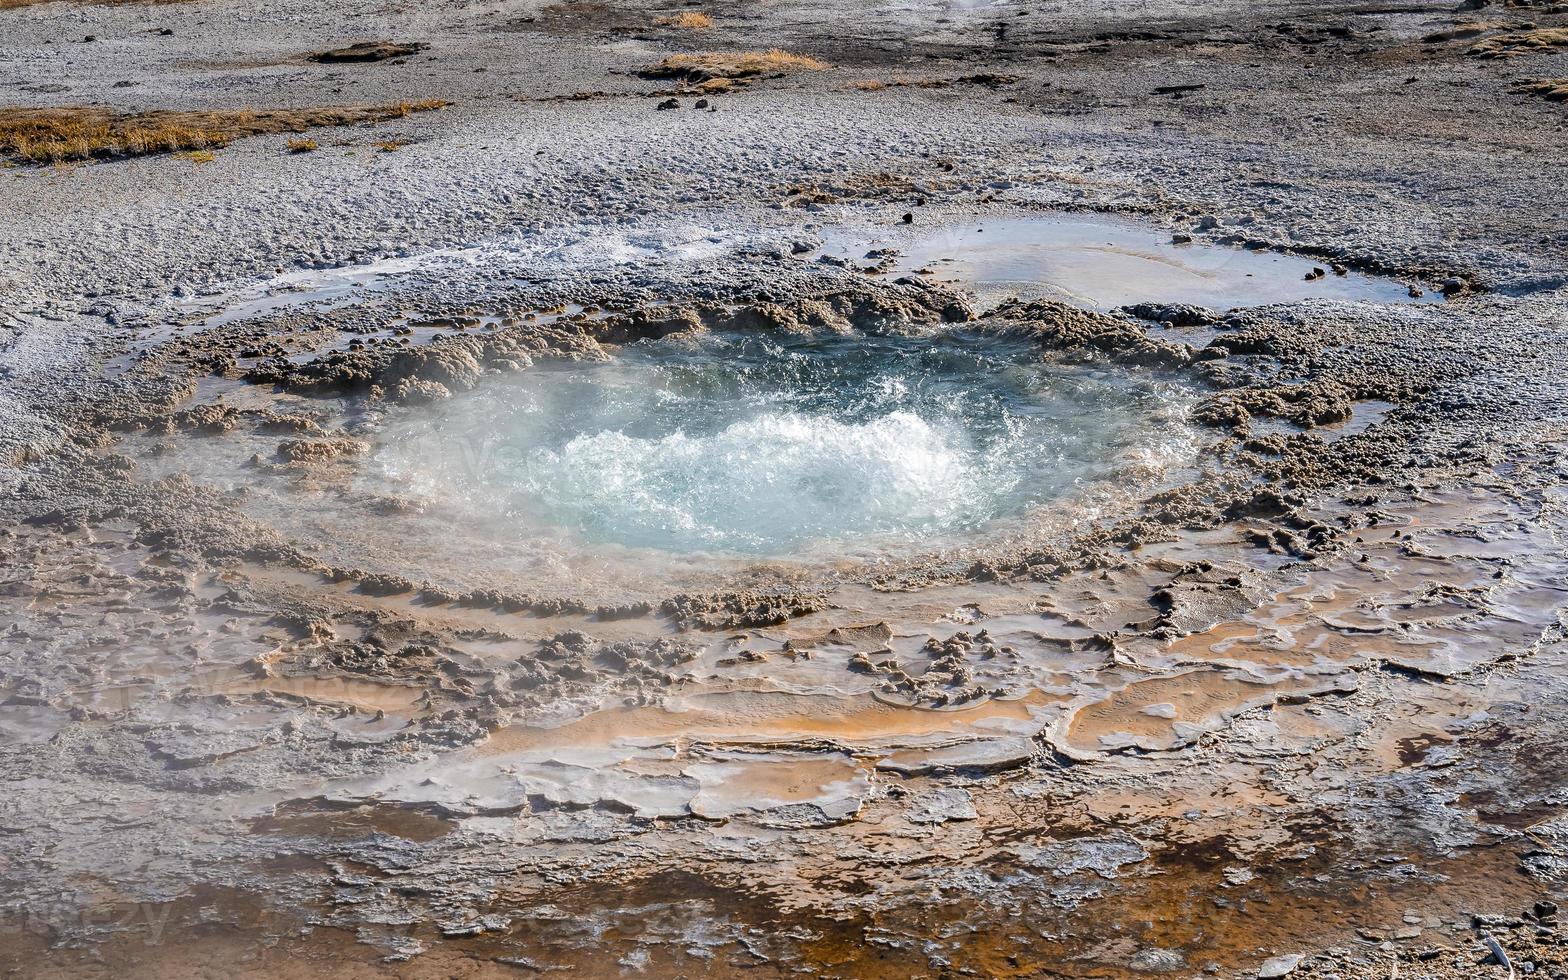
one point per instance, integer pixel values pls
(1058, 326)
(369, 51)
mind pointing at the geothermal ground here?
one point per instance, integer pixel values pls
(872, 489)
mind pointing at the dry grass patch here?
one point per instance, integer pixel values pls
(1468, 31)
(303, 144)
(730, 66)
(691, 20)
(54, 135)
(1521, 43)
(1550, 89)
(869, 85)
(18, 4)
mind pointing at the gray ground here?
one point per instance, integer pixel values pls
(1296, 712)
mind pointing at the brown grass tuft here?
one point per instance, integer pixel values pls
(303, 144)
(54, 135)
(1467, 31)
(1550, 89)
(691, 20)
(731, 65)
(18, 4)
(869, 85)
(1521, 43)
(423, 105)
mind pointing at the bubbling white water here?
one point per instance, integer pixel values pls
(763, 445)
(783, 476)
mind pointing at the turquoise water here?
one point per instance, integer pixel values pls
(770, 444)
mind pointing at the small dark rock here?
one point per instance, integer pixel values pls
(368, 51)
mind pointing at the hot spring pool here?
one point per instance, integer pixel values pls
(770, 445)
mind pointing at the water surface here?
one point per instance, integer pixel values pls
(1104, 263)
(766, 444)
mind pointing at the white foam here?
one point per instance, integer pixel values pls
(766, 479)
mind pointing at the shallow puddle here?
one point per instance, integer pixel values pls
(1105, 263)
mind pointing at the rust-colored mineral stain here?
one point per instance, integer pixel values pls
(1166, 712)
(770, 717)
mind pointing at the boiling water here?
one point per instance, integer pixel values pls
(767, 445)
